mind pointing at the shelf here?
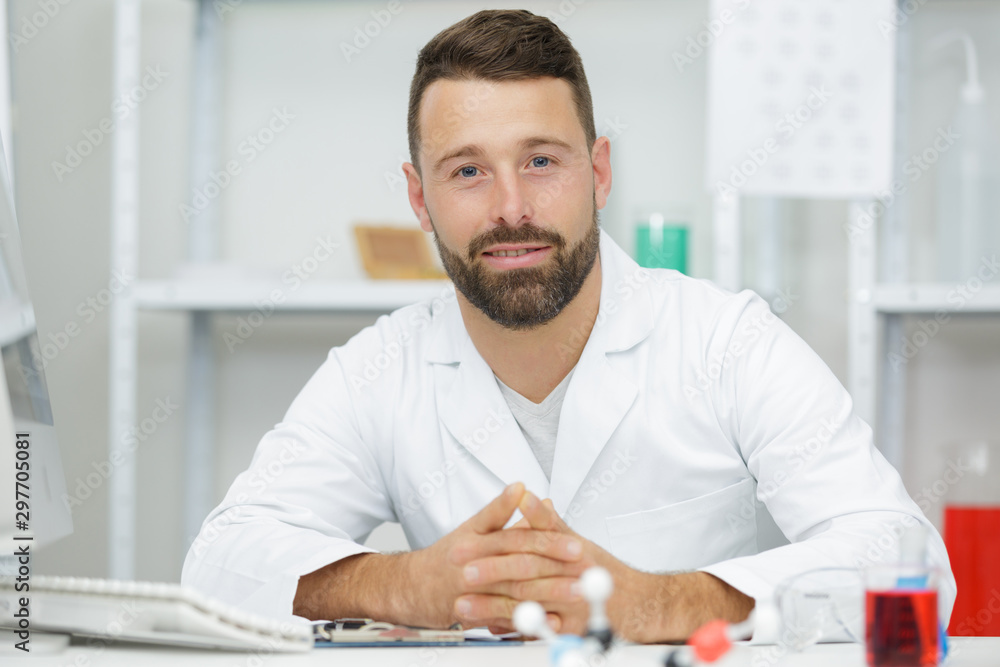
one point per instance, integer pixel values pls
(361, 296)
(915, 298)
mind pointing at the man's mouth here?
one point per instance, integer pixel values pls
(513, 256)
(512, 252)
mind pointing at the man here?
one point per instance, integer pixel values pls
(562, 408)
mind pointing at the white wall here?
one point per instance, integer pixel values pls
(328, 169)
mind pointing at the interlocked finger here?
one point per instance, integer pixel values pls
(553, 545)
(518, 567)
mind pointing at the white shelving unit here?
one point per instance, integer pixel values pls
(931, 298)
(335, 297)
(880, 295)
(122, 313)
(878, 317)
(200, 289)
(878, 312)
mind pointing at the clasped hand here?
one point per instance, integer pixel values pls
(488, 570)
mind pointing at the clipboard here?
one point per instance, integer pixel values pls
(366, 632)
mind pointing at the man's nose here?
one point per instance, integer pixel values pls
(511, 201)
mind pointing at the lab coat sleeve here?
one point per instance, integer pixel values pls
(312, 493)
(830, 491)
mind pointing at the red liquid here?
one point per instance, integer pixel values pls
(972, 535)
(901, 628)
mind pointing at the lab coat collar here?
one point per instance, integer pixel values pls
(474, 411)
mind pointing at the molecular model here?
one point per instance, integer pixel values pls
(709, 642)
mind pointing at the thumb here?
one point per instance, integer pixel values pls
(495, 516)
(541, 514)
(524, 522)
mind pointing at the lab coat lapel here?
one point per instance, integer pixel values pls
(595, 404)
(473, 410)
(599, 394)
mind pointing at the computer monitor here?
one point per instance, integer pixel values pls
(32, 485)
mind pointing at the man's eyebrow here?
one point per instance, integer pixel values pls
(534, 142)
(465, 151)
(473, 150)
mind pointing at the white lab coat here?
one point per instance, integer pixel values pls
(689, 407)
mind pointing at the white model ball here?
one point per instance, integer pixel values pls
(766, 619)
(596, 585)
(529, 619)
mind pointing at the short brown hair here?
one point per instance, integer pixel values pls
(499, 45)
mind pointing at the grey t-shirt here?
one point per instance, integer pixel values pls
(539, 422)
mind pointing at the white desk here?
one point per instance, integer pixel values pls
(966, 652)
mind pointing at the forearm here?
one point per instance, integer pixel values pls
(369, 585)
(669, 607)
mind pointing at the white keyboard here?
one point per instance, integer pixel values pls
(156, 613)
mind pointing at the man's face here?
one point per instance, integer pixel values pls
(508, 188)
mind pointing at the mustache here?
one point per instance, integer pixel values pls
(527, 233)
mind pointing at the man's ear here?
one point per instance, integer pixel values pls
(600, 158)
(415, 191)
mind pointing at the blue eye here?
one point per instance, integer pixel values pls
(468, 172)
(540, 162)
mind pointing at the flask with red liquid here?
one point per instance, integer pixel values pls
(972, 536)
(901, 608)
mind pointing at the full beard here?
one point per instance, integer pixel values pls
(525, 298)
